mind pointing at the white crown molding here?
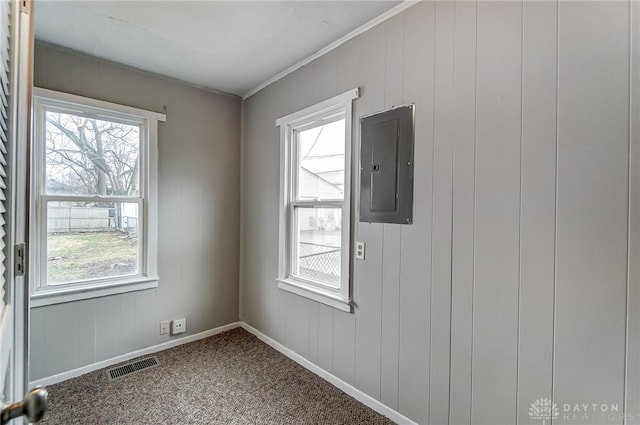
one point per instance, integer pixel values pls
(372, 23)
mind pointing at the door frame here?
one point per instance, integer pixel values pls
(17, 219)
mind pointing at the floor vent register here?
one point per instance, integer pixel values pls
(131, 368)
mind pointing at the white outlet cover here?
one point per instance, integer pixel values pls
(178, 326)
(360, 248)
(164, 327)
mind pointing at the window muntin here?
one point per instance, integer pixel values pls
(315, 178)
(94, 203)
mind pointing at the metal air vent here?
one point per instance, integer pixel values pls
(133, 367)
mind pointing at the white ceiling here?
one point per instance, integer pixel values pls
(232, 46)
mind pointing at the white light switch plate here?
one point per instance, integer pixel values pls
(360, 246)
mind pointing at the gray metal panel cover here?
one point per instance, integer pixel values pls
(386, 167)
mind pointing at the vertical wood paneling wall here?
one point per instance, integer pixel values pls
(593, 166)
(519, 279)
(199, 170)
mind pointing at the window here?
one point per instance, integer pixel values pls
(94, 203)
(315, 201)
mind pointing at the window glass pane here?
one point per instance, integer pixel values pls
(320, 167)
(319, 240)
(86, 156)
(91, 240)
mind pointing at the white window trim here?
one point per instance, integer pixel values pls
(341, 297)
(148, 276)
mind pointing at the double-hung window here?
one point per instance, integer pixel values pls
(315, 201)
(94, 203)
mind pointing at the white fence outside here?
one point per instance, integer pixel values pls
(64, 219)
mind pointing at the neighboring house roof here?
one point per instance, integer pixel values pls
(58, 186)
(324, 188)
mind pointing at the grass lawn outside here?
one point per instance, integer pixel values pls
(79, 256)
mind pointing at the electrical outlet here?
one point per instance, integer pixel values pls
(164, 327)
(360, 250)
(178, 326)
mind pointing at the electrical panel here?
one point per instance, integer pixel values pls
(386, 166)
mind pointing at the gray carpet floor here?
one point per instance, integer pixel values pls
(230, 378)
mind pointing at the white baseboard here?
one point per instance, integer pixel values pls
(50, 380)
(365, 399)
(349, 389)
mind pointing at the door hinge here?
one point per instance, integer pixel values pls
(19, 259)
(25, 6)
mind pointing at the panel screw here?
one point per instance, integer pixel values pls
(409, 163)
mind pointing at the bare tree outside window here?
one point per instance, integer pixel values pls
(89, 157)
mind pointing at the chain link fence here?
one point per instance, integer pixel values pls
(320, 262)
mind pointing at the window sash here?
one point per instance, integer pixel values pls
(294, 158)
(341, 292)
(294, 244)
(42, 283)
(43, 105)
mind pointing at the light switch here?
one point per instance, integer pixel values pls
(360, 250)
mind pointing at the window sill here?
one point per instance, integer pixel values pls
(101, 289)
(294, 287)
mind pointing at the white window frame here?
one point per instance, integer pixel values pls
(147, 277)
(339, 297)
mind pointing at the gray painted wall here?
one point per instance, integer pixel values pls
(514, 283)
(199, 204)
